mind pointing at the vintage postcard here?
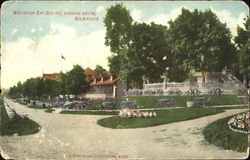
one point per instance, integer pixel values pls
(124, 80)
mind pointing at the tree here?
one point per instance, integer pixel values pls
(99, 69)
(75, 81)
(118, 28)
(198, 40)
(150, 51)
(40, 87)
(242, 44)
(29, 88)
(138, 48)
(118, 24)
(62, 84)
(51, 87)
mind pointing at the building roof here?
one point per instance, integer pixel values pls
(104, 82)
(91, 72)
(51, 75)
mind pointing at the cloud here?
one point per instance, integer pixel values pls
(33, 30)
(28, 58)
(32, 47)
(14, 31)
(232, 22)
(136, 14)
(100, 9)
(163, 18)
(17, 61)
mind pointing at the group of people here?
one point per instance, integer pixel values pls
(136, 113)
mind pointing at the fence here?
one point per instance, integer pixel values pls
(226, 86)
(184, 88)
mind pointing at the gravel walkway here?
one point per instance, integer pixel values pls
(79, 137)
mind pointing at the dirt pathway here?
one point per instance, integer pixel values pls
(79, 137)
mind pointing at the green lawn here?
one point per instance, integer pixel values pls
(4, 116)
(163, 117)
(90, 112)
(38, 107)
(49, 110)
(151, 101)
(16, 125)
(46, 109)
(219, 134)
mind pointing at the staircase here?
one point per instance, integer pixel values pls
(226, 78)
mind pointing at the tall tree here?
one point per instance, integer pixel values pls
(76, 82)
(149, 52)
(138, 49)
(62, 84)
(99, 69)
(200, 41)
(118, 24)
(51, 87)
(242, 43)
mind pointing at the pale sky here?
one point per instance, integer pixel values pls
(33, 44)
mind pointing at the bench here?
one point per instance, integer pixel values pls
(166, 103)
(129, 104)
(199, 101)
(107, 105)
(243, 100)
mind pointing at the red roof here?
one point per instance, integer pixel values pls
(52, 75)
(104, 82)
(91, 72)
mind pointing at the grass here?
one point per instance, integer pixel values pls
(163, 117)
(90, 112)
(49, 110)
(96, 105)
(219, 134)
(4, 116)
(38, 107)
(151, 101)
(16, 125)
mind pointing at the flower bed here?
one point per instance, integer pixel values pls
(240, 123)
(136, 113)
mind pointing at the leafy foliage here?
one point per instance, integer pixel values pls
(73, 82)
(76, 82)
(242, 44)
(198, 40)
(194, 40)
(99, 69)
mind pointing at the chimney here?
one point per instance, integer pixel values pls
(101, 78)
(111, 77)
